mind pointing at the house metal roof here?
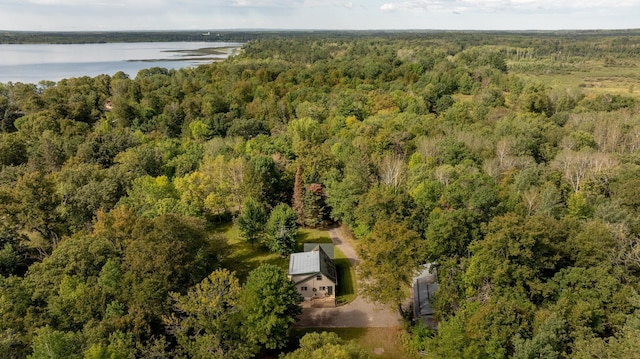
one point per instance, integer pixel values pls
(313, 262)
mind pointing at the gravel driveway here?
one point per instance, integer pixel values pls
(360, 313)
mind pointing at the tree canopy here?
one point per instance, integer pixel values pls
(507, 160)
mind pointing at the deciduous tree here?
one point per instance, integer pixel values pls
(326, 345)
(251, 220)
(206, 322)
(391, 256)
(269, 304)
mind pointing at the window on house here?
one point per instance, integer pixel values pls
(319, 277)
(323, 288)
(304, 289)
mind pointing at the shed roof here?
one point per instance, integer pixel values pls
(328, 248)
(425, 284)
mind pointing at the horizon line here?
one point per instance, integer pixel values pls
(325, 30)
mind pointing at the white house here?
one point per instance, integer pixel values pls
(314, 273)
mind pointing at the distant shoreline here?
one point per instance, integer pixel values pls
(93, 37)
(32, 63)
(201, 54)
(243, 36)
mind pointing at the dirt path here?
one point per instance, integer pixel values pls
(336, 236)
(360, 313)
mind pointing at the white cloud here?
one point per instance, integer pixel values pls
(84, 3)
(388, 7)
(317, 14)
(505, 5)
(264, 3)
(417, 4)
(292, 3)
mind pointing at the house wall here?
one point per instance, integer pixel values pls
(312, 283)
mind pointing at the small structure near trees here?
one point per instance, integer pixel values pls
(424, 287)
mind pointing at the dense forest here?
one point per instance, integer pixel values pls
(450, 148)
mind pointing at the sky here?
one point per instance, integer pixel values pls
(101, 15)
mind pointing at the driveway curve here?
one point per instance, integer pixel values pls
(360, 313)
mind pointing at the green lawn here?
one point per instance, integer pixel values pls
(312, 235)
(347, 288)
(242, 258)
(382, 343)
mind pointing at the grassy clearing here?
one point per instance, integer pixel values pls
(242, 258)
(593, 77)
(382, 343)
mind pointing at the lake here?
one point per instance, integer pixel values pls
(32, 63)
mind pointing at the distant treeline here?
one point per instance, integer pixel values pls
(44, 37)
(590, 43)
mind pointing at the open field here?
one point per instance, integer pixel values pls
(592, 77)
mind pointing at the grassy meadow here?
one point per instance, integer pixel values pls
(592, 77)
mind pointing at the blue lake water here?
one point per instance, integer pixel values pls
(32, 63)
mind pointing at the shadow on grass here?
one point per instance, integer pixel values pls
(346, 290)
(242, 257)
(220, 227)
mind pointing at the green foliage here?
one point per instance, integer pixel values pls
(252, 220)
(151, 197)
(120, 346)
(380, 202)
(391, 255)
(281, 230)
(206, 319)
(547, 342)
(314, 213)
(450, 232)
(13, 150)
(430, 147)
(264, 182)
(578, 207)
(268, 304)
(516, 253)
(53, 344)
(326, 345)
